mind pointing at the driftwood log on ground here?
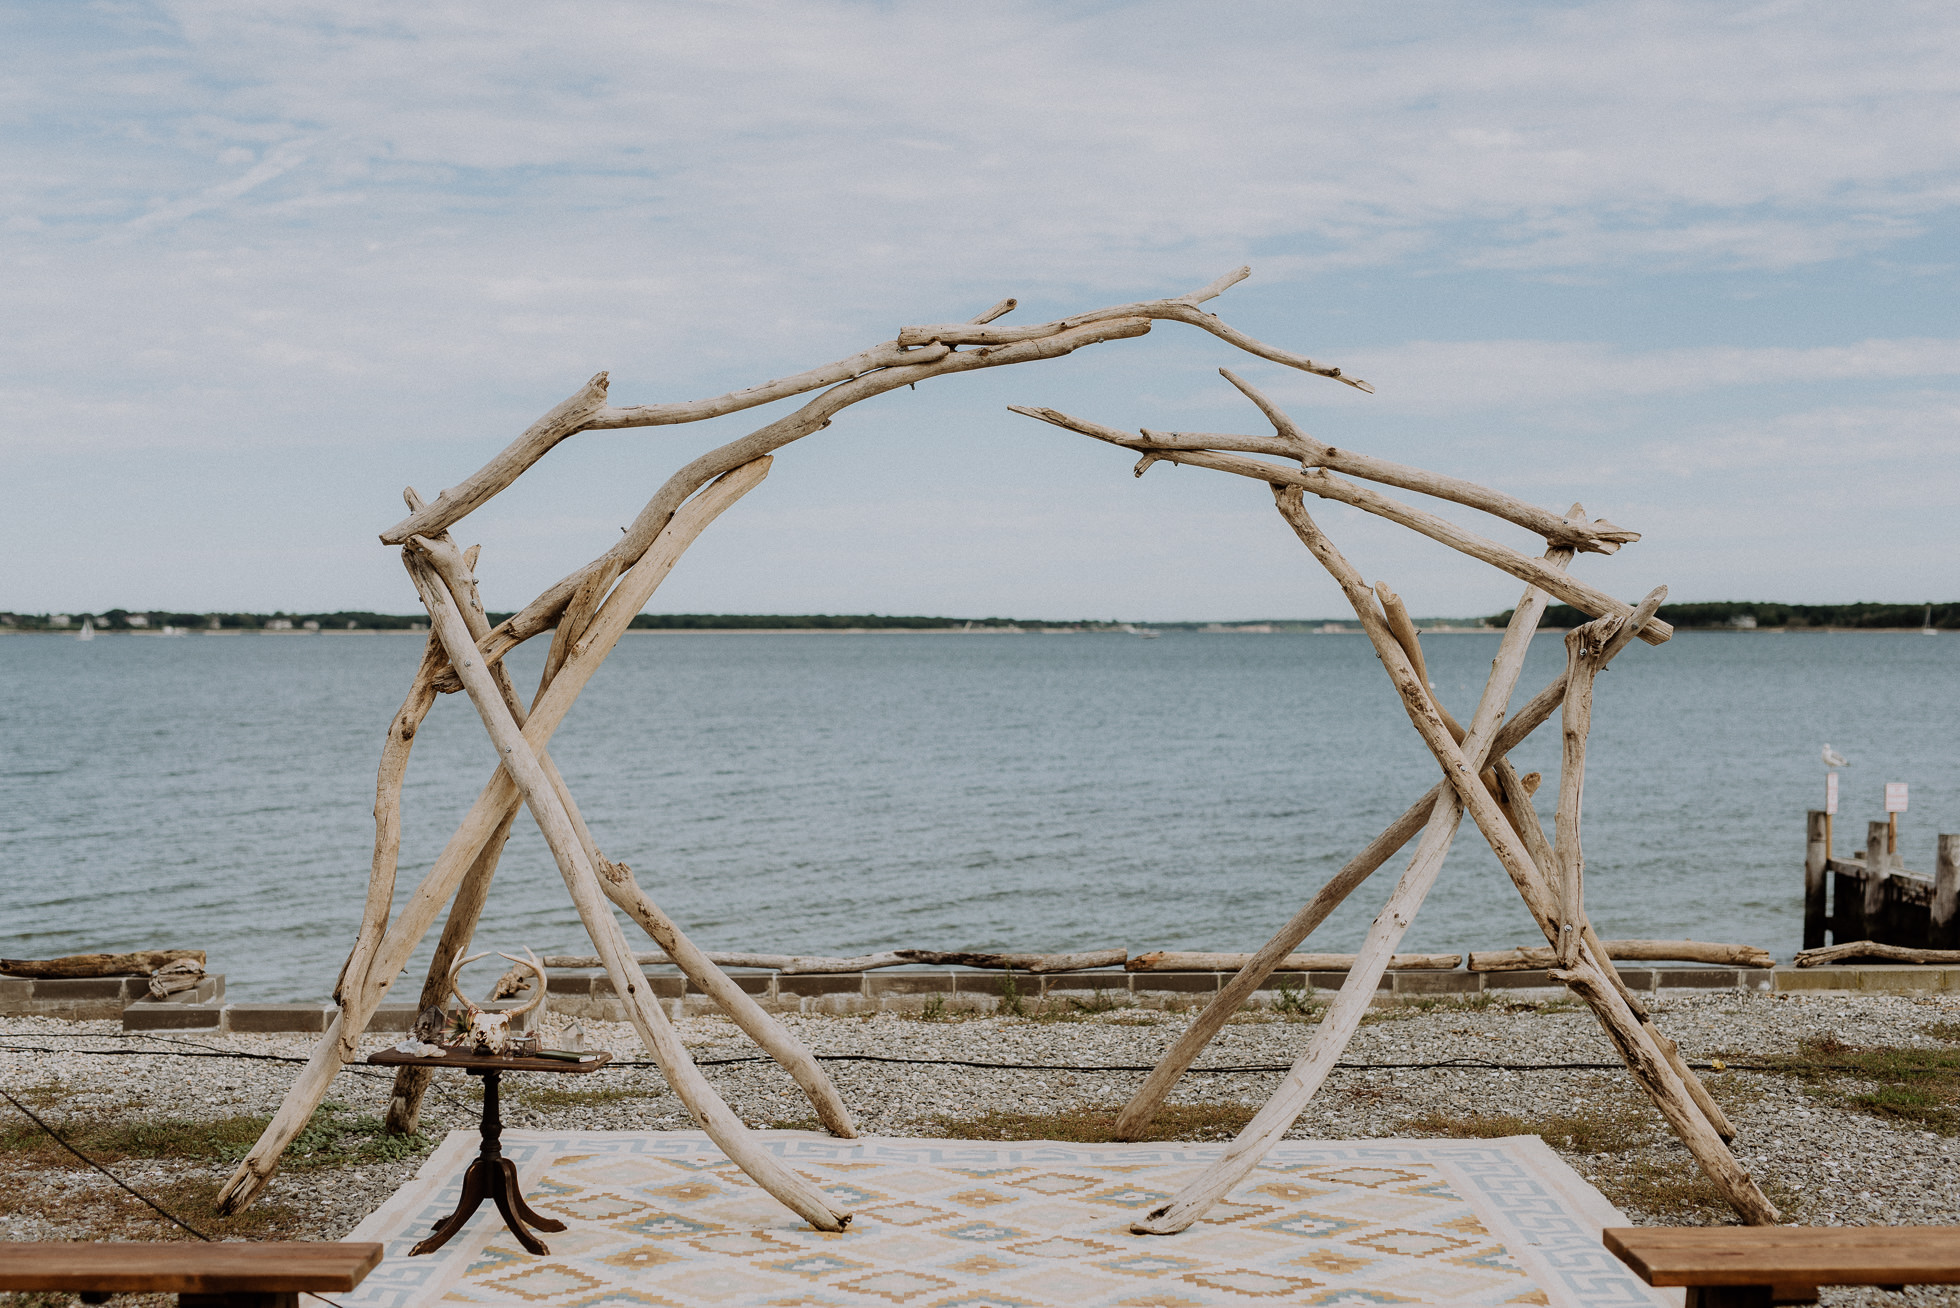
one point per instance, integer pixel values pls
(1020, 962)
(807, 965)
(143, 962)
(1168, 961)
(1872, 949)
(1643, 951)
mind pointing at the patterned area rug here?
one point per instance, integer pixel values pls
(663, 1220)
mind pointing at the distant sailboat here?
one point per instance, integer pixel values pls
(1926, 627)
(87, 632)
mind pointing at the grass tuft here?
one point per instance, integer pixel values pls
(1916, 1087)
(1094, 1124)
(1611, 1131)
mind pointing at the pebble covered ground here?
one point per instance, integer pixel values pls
(1819, 1155)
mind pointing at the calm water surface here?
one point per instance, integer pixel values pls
(834, 794)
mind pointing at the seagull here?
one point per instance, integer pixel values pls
(1833, 759)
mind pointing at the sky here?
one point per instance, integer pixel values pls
(1691, 265)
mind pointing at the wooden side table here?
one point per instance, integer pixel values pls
(491, 1175)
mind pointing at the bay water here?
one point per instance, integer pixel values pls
(833, 793)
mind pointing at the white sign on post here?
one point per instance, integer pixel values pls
(1895, 797)
(1830, 793)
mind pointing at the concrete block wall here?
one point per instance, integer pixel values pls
(590, 995)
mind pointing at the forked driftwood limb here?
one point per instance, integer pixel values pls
(1628, 951)
(1320, 482)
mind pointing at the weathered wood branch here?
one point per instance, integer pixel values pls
(1164, 960)
(582, 881)
(1597, 537)
(1019, 962)
(1319, 481)
(1344, 1014)
(1872, 949)
(1530, 958)
(143, 962)
(492, 812)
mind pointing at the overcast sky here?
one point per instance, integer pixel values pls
(265, 264)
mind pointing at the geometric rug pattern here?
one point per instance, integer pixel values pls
(664, 1220)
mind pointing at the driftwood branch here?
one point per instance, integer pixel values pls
(143, 962)
(1326, 485)
(1019, 962)
(1643, 951)
(1872, 949)
(1171, 961)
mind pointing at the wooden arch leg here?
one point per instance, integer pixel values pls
(1343, 1017)
(581, 879)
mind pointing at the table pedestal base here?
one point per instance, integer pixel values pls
(494, 1177)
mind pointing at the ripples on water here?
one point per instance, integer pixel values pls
(831, 794)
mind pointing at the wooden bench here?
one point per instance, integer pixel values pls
(272, 1274)
(1756, 1266)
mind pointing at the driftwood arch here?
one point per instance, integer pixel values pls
(589, 610)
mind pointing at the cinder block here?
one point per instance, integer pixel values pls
(569, 983)
(391, 1017)
(14, 990)
(1437, 983)
(821, 984)
(162, 1015)
(1112, 981)
(92, 987)
(1536, 978)
(881, 985)
(996, 983)
(1335, 980)
(1786, 979)
(1755, 978)
(1901, 976)
(1175, 983)
(1696, 978)
(660, 987)
(277, 1017)
(1640, 978)
(752, 983)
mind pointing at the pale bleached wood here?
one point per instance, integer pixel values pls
(1343, 1016)
(1632, 951)
(788, 964)
(572, 415)
(616, 879)
(1164, 960)
(542, 613)
(1149, 1099)
(1873, 949)
(388, 812)
(1006, 306)
(1145, 1104)
(1575, 720)
(1589, 600)
(1598, 537)
(493, 808)
(404, 1113)
(582, 881)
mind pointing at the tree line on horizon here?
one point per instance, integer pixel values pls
(1725, 615)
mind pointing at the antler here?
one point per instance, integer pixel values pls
(536, 964)
(457, 990)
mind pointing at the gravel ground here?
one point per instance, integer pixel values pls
(1819, 1161)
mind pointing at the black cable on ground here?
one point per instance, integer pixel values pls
(55, 1135)
(1230, 1070)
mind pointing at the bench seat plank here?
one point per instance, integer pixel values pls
(1789, 1255)
(187, 1267)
